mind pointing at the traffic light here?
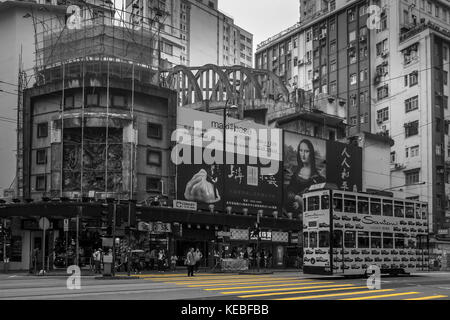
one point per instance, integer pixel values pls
(107, 214)
(132, 206)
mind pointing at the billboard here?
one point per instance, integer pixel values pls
(309, 161)
(247, 178)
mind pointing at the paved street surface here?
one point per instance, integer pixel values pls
(210, 286)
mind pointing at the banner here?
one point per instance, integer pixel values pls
(247, 179)
(309, 161)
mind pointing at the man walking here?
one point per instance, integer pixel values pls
(98, 260)
(190, 262)
(198, 257)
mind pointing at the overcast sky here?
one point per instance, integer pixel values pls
(263, 18)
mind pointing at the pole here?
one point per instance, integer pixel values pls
(43, 247)
(67, 256)
(114, 241)
(129, 238)
(257, 243)
(77, 248)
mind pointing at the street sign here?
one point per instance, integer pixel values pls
(185, 205)
(443, 231)
(66, 225)
(44, 223)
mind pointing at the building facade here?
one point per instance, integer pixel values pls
(194, 33)
(400, 58)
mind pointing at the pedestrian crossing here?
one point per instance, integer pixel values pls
(286, 288)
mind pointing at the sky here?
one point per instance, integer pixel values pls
(262, 18)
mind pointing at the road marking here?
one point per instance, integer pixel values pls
(287, 289)
(262, 282)
(303, 291)
(187, 281)
(427, 298)
(336, 295)
(383, 296)
(264, 286)
(233, 281)
(445, 288)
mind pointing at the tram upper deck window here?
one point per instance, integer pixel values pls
(387, 208)
(399, 209)
(313, 203)
(324, 239)
(305, 239)
(313, 239)
(325, 202)
(399, 241)
(363, 240)
(417, 209)
(409, 210)
(350, 205)
(388, 240)
(424, 212)
(375, 240)
(375, 207)
(350, 239)
(337, 239)
(337, 202)
(363, 205)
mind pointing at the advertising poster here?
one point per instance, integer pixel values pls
(309, 161)
(251, 178)
(344, 166)
(305, 164)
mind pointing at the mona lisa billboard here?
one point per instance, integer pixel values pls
(309, 161)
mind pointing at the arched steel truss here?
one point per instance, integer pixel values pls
(216, 84)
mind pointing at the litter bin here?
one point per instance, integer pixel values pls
(107, 266)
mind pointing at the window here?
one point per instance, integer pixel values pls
(388, 240)
(352, 36)
(399, 241)
(337, 239)
(41, 156)
(153, 184)
(375, 207)
(333, 46)
(313, 239)
(381, 47)
(409, 212)
(412, 129)
(324, 239)
(445, 77)
(154, 157)
(42, 130)
(412, 177)
(337, 203)
(349, 206)
(119, 101)
(363, 240)
(305, 240)
(387, 208)
(383, 92)
(412, 152)
(413, 78)
(393, 157)
(363, 75)
(363, 205)
(375, 240)
(313, 204)
(353, 79)
(154, 130)
(69, 102)
(351, 15)
(92, 99)
(333, 87)
(325, 202)
(40, 183)
(383, 115)
(412, 104)
(350, 239)
(399, 208)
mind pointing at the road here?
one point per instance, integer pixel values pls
(209, 286)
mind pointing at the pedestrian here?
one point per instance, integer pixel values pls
(161, 261)
(173, 262)
(190, 262)
(152, 259)
(97, 260)
(198, 257)
(147, 260)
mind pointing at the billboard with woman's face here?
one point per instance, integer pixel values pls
(304, 165)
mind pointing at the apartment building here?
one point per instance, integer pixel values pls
(194, 32)
(390, 65)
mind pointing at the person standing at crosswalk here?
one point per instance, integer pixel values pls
(190, 262)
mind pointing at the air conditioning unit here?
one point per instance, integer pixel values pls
(301, 62)
(377, 80)
(380, 121)
(362, 38)
(385, 53)
(322, 36)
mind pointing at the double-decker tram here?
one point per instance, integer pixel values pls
(346, 232)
